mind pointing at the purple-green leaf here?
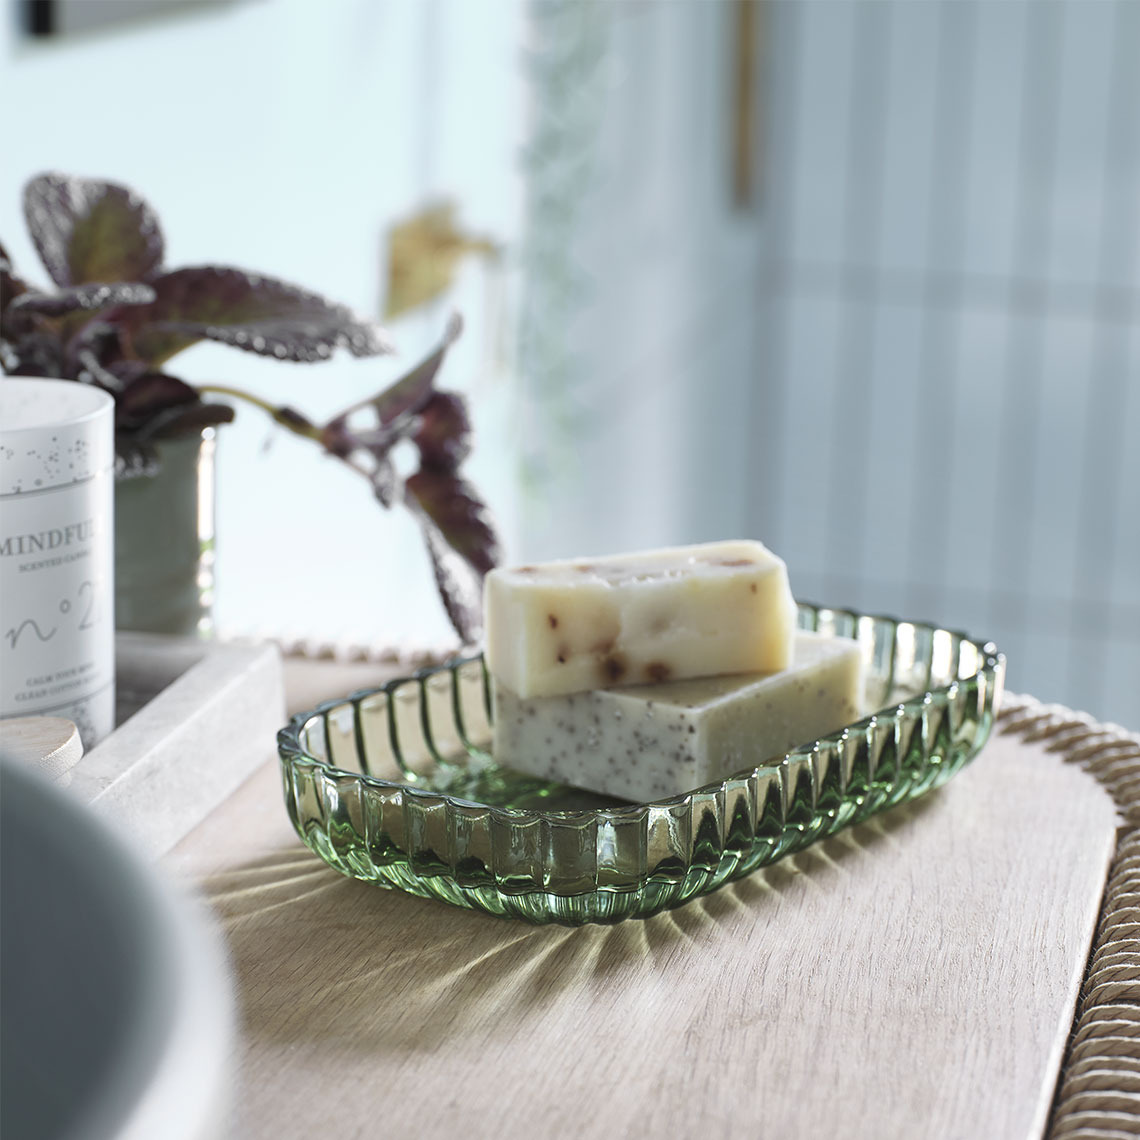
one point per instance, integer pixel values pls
(460, 589)
(87, 230)
(455, 507)
(175, 420)
(444, 432)
(32, 354)
(188, 420)
(337, 437)
(148, 394)
(11, 286)
(248, 311)
(95, 337)
(87, 298)
(460, 540)
(412, 391)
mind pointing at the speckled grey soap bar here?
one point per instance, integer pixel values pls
(646, 742)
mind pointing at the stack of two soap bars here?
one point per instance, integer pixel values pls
(641, 676)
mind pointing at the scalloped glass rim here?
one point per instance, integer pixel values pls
(394, 785)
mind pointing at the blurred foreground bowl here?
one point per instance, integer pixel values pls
(116, 1010)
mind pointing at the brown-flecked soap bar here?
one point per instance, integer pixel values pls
(649, 742)
(646, 618)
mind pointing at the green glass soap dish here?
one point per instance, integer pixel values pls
(395, 786)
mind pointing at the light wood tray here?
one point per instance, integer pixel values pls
(927, 974)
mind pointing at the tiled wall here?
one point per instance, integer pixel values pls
(948, 389)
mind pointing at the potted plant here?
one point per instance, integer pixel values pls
(116, 318)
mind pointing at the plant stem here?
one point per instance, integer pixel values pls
(286, 417)
(294, 422)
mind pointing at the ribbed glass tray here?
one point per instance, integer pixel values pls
(395, 786)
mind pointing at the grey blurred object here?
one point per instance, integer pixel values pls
(117, 1013)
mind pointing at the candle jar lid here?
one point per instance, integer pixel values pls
(46, 437)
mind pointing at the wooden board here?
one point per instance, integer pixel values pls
(915, 977)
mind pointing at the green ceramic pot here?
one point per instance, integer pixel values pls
(164, 541)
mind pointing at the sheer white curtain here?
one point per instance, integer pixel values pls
(638, 343)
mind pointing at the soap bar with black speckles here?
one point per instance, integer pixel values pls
(652, 617)
(648, 742)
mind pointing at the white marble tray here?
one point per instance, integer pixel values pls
(195, 718)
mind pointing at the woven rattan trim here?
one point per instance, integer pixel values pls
(404, 657)
(1098, 1092)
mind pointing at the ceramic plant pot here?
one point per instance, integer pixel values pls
(164, 541)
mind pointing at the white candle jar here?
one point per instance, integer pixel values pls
(57, 627)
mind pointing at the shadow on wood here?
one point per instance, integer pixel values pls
(321, 956)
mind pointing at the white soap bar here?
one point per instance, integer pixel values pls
(647, 742)
(661, 615)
